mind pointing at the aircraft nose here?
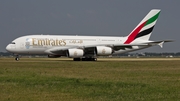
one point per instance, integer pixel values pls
(8, 48)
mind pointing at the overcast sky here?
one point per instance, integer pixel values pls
(88, 17)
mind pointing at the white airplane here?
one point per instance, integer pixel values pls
(87, 48)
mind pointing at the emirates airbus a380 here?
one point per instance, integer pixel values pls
(87, 48)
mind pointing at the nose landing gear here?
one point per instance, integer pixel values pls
(17, 58)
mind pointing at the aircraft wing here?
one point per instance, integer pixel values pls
(58, 50)
(90, 49)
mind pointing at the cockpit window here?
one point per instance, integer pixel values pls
(13, 43)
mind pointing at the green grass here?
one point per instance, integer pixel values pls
(45, 79)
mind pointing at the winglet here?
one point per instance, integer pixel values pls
(161, 44)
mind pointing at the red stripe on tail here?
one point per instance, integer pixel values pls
(132, 36)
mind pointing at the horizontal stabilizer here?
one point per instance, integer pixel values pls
(160, 43)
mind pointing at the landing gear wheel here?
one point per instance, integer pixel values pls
(77, 59)
(17, 58)
(85, 59)
(89, 59)
(95, 59)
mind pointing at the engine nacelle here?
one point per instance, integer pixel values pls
(103, 50)
(54, 56)
(75, 53)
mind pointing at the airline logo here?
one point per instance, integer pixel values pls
(38, 42)
(103, 51)
(143, 29)
(48, 42)
(75, 53)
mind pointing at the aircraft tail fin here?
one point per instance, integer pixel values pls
(144, 29)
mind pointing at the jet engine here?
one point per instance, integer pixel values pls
(75, 53)
(54, 56)
(103, 50)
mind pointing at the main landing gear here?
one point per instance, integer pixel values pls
(85, 59)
